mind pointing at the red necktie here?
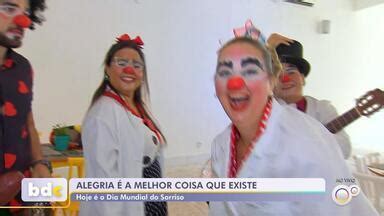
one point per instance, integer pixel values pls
(301, 104)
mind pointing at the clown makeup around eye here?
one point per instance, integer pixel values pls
(122, 63)
(290, 68)
(250, 68)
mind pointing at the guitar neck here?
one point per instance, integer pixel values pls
(345, 119)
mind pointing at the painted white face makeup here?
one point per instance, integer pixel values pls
(242, 84)
(251, 69)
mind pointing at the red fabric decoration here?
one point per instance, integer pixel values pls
(301, 104)
(123, 37)
(138, 41)
(9, 160)
(126, 37)
(235, 83)
(23, 89)
(22, 21)
(24, 133)
(9, 109)
(147, 122)
(8, 63)
(234, 165)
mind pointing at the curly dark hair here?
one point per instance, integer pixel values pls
(37, 7)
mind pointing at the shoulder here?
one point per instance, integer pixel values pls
(302, 128)
(20, 59)
(104, 109)
(317, 102)
(223, 137)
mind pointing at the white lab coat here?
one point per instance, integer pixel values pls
(324, 111)
(292, 146)
(114, 142)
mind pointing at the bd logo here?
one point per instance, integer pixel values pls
(44, 189)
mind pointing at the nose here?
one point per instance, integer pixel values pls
(22, 21)
(285, 78)
(235, 83)
(129, 70)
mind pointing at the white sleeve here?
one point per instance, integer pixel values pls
(101, 160)
(328, 113)
(101, 150)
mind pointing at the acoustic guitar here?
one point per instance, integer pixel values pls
(368, 104)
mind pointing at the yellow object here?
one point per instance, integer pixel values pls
(71, 162)
(57, 191)
(77, 128)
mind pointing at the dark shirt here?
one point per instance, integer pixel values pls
(16, 97)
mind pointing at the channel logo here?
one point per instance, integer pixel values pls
(44, 189)
(342, 194)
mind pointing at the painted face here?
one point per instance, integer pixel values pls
(13, 19)
(126, 71)
(242, 85)
(289, 87)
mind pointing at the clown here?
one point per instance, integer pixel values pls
(19, 144)
(119, 135)
(290, 86)
(269, 140)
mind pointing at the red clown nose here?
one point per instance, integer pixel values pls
(128, 70)
(22, 21)
(285, 78)
(235, 83)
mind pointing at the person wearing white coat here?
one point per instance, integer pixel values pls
(120, 138)
(268, 140)
(325, 112)
(289, 87)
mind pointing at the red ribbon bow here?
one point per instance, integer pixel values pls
(125, 37)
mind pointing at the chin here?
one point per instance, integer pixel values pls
(237, 117)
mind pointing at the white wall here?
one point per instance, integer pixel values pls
(361, 4)
(181, 38)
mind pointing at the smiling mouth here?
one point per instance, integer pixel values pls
(239, 103)
(15, 34)
(128, 78)
(287, 86)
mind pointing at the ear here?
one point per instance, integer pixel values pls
(107, 70)
(302, 79)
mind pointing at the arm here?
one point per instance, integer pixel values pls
(101, 158)
(39, 170)
(100, 149)
(275, 40)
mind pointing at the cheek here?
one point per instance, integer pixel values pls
(4, 22)
(220, 87)
(113, 74)
(140, 75)
(3, 17)
(260, 88)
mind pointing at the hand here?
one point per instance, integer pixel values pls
(10, 184)
(40, 171)
(276, 39)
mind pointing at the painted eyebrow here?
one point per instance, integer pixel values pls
(10, 4)
(225, 64)
(250, 60)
